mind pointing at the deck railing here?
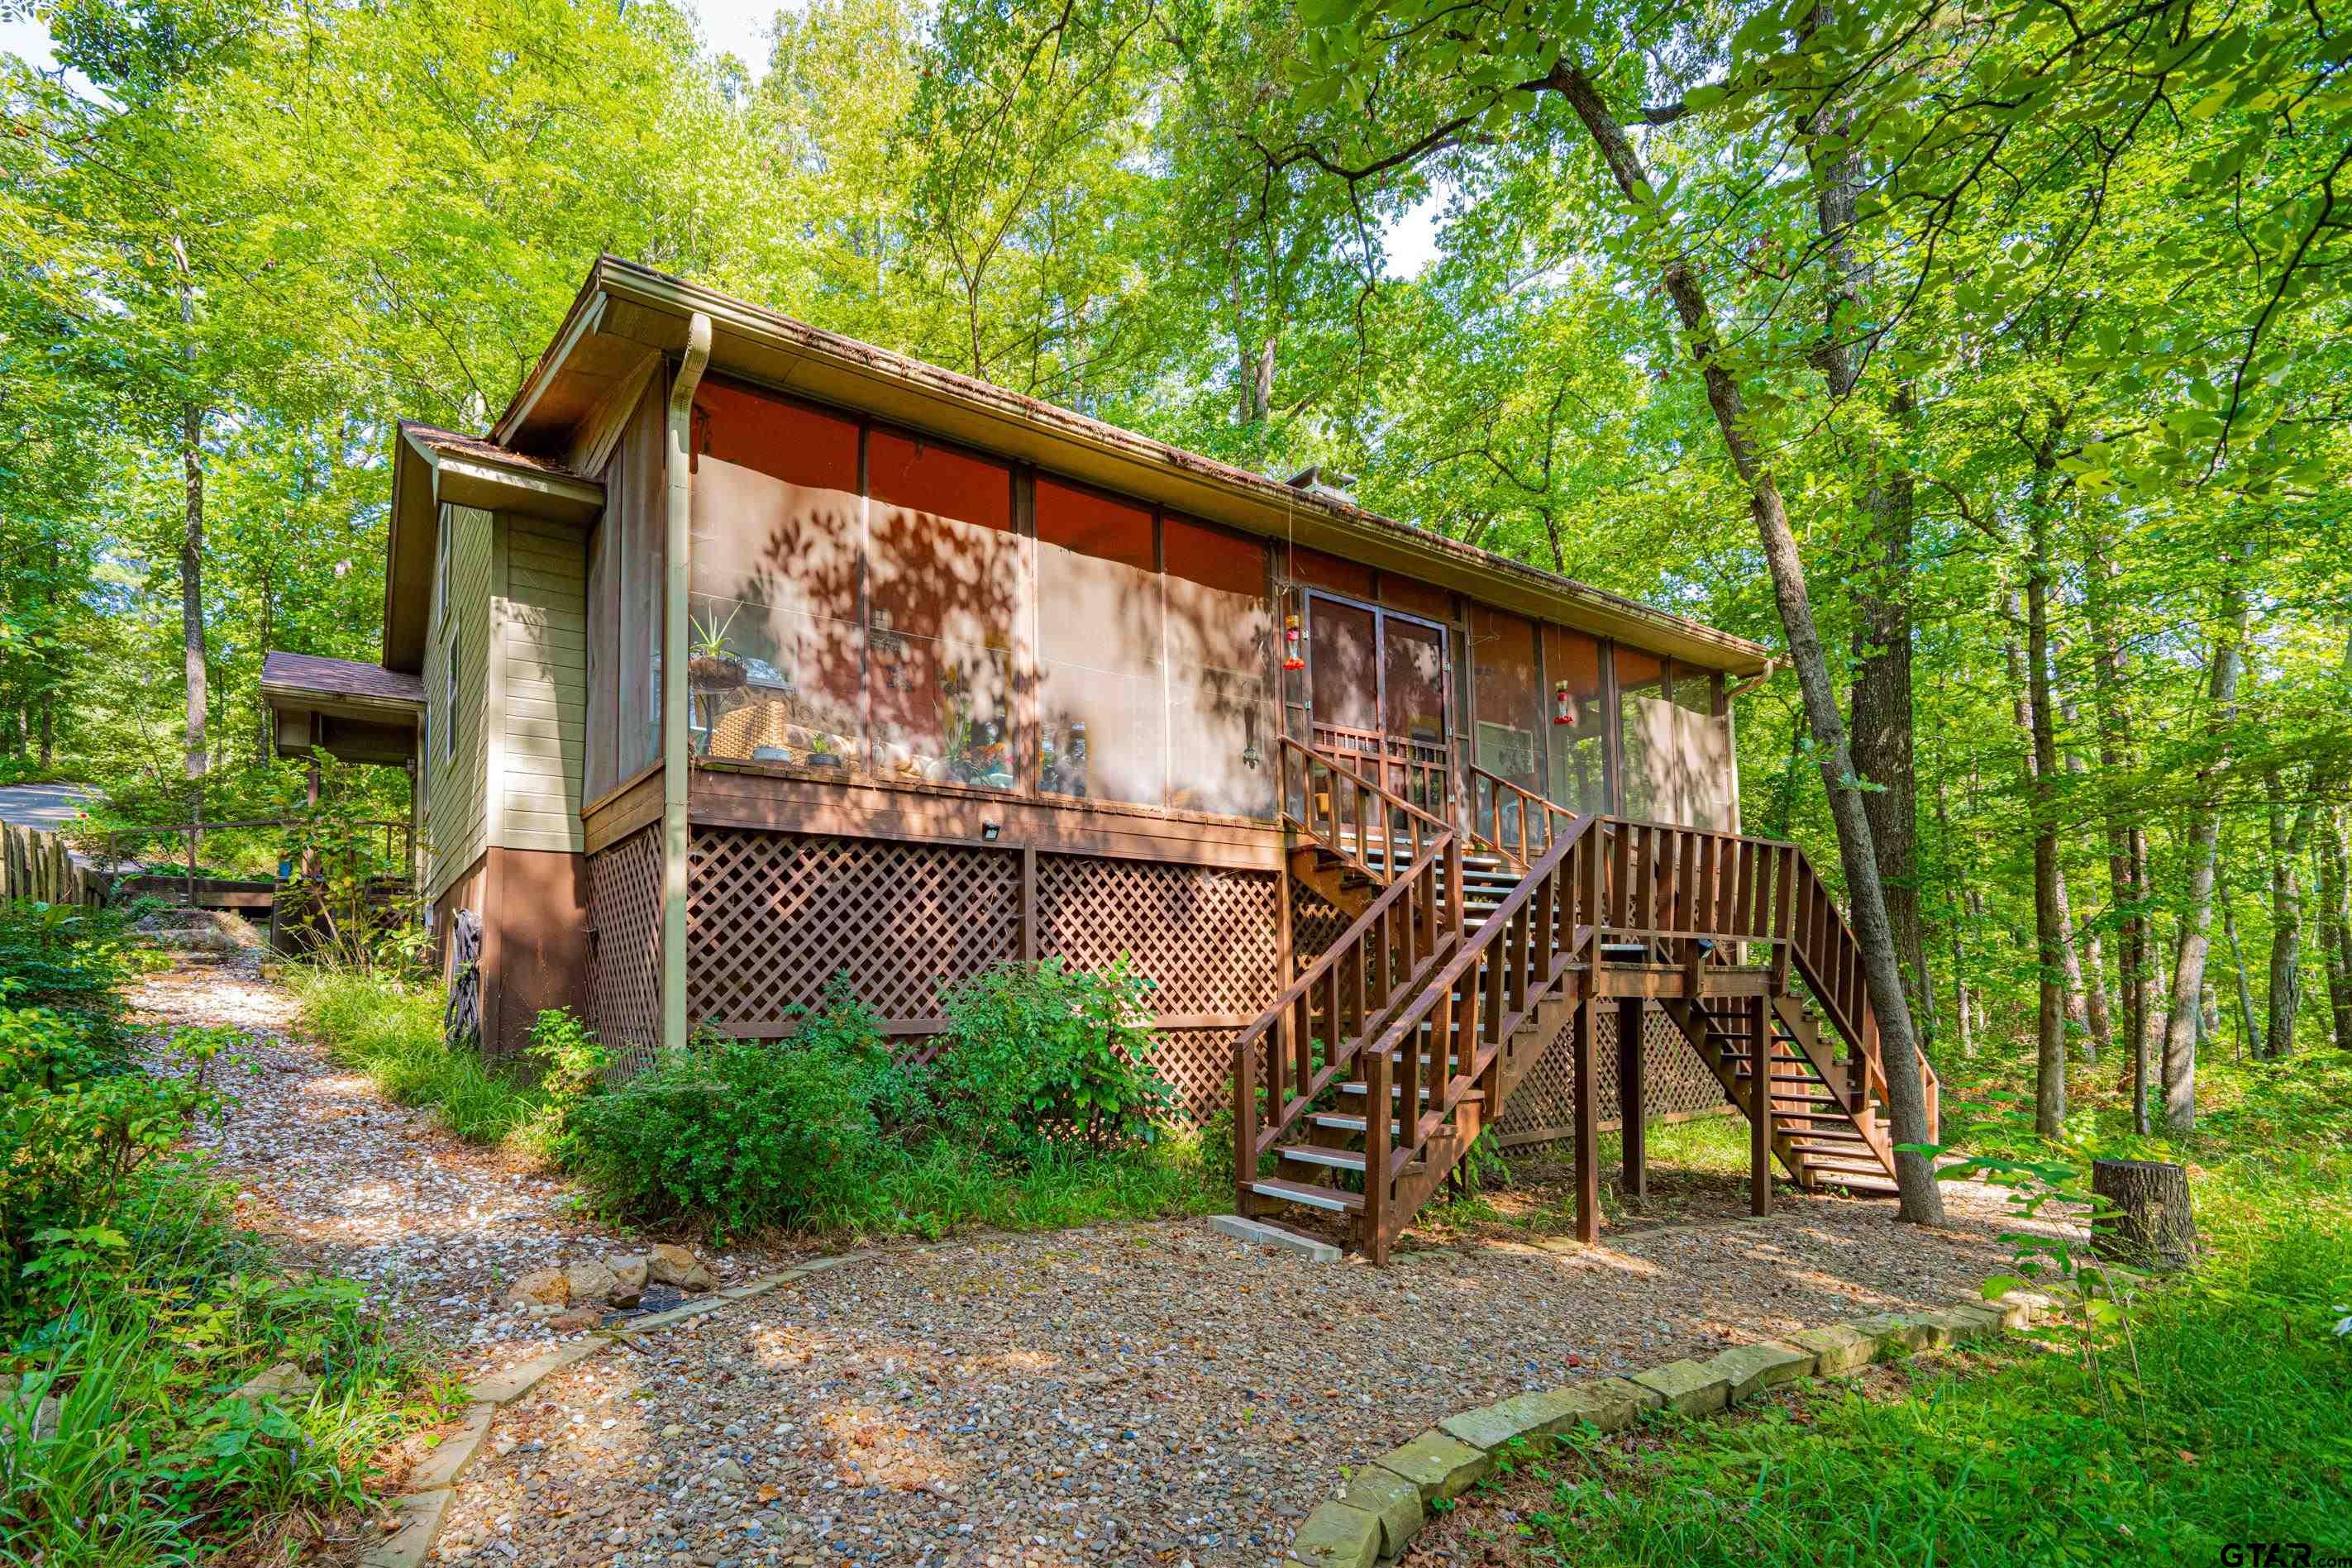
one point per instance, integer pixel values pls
(1510, 818)
(1327, 804)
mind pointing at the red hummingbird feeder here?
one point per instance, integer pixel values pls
(1291, 659)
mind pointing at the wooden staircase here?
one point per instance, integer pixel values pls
(1370, 1079)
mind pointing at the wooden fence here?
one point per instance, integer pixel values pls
(35, 865)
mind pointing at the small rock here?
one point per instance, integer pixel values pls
(541, 1287)
(576, 1319)
(285, 1381)
(727, 1470)
(589, 1281)
(668, 1264)
(629, 1281)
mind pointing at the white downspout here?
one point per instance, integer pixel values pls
(676, 461)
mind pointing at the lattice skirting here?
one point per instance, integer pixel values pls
(1677, 1083)
(772, 917)
(624, 954)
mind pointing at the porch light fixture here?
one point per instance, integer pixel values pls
(1291, 659)
(1563, 704)
(989, 830)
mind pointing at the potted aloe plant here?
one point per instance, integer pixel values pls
(711, 665)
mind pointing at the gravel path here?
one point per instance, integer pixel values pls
(1146, 1394)
(345, 1181)
(1131, 1395)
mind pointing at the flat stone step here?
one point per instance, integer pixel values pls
(1322, 1197)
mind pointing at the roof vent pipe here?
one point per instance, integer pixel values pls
(1328, 482)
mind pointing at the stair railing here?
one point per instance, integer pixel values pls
(1533, 822)
(1488, 986)
(1327, 804)
(1701, 896)
(1385, 956)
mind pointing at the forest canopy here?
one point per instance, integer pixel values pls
(2031, 319)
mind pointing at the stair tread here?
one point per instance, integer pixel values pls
(1322, 1197)
(1314, 1154)
(1397, 1089)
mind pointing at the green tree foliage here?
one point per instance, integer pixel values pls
(2069, 279)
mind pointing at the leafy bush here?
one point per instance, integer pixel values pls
(740, 1132)
(1040, 1052)
(1040, 1109)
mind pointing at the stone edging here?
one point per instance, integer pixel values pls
(1387, 1502)
(433, 1483)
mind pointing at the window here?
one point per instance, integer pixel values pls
(1640, 692)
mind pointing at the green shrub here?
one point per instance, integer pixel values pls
(741, 1132)
(1039, 1110)
(1043, 1052)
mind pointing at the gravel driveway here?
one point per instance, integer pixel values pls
(1143, 1394)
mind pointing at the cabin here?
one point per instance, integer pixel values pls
(737, 655)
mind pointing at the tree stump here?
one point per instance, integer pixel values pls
(2152, 1227)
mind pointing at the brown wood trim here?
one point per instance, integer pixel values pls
(623, 813)
(618, 790)
(793, 802)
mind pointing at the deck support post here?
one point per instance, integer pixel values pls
(1760, 1113)
(678, 541)
(1633, 1111)
(1588, 1122)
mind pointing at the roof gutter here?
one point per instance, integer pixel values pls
(677, 461)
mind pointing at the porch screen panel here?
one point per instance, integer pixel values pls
(1102, 719)
(778, 533)
(1221, 721)
(636, 549)
(597, 777)
(945, 576)
(1412, 683)
(1645, 782)
(1504, 691)
(1579, 751)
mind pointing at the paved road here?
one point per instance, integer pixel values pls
(47, 806)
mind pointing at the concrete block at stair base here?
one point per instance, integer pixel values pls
(2037, 1307)
(1689, 1389)
(1750, 1369)
(504, 1387)
(1440, 1464)
(449, 1457)
(1898, 1333)
(1258, 1232)
(1337, 1535)
(1393, 1501)
(1837, 1350)
(411, 1543)
(1642, 1397)
(1968, 1321)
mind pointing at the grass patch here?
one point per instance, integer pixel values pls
(2218, 1418)
(391, 1031)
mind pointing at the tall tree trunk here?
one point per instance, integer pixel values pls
(1959, 947)
(1881, 693)
(2049, 914)
(2203, 834)
(1898, 1044)
(192, 547)
(2092, 971)
(2248, 1030)
(2335, 922)
(2127, 840)
(2289, 843)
